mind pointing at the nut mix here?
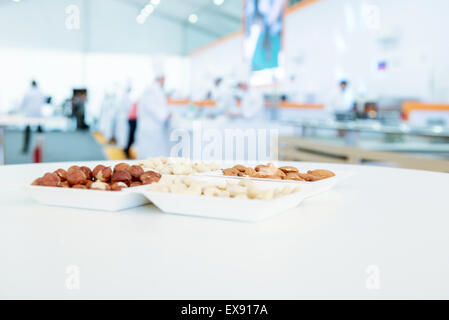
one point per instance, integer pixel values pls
(100, 178)
(244, 189)
(269, 171)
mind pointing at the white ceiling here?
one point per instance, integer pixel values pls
(111, 25)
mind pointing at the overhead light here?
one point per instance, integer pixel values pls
(147, 10)
(193, 18)
(16, 0)
(218, 2)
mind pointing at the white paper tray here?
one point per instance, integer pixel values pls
(88, 199)
(224, 208)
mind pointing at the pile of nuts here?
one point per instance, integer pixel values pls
(100, 178)
(178, 166)
(270, 171)
(244, 189)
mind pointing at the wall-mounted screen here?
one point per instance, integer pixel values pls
(263, 49)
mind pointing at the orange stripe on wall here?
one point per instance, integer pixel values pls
(409, 106)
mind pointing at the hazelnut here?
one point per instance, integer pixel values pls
(121, 166)
(104, 174)
(149, 177)
(117, 186)
(37, 182)
(76, 177)
(87, 172)
(64, 184)
(89, 184)
(98, 185)
(135, 171)
(97, 169)
(73, 168)
(288, 169)
(62, 174)
(135, 184)
(121, 176)
(50, 180)
(79, 186)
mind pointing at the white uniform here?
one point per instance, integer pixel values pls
(108, 115)
(152, 115)
(32, 103)
(224, 100)
(253, 105)
(343, 101)
(122, 126)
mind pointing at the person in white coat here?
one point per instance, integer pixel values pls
(343, 100)
(123, 107)
(108, 115)
(31, 107)
(223, 97)
(252, 102)
(152, 116)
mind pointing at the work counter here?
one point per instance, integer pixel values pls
(381, 233)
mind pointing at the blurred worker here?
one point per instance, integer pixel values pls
(108, 114)
(152, 116)
(252, 102)
(31, 106)
(123, 107)
(343, 100)
(222, 95)
(132, 125)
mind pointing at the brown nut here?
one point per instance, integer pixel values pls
(99, 185)
(136, 172)
(76, 177)
(321, 173)
(73, 168)
(87, 172)
(121, 176)
(121, 166)
(230, 172)
(262, 175)
(269, 169)
(294, 176)
(64, 184)
(288, 169)
(280, 173)
(149, 177)
(104, 175)
(37, 182)
(250, 172)
(241, 174)
(62, 174)
(239, 167)
(117, 186)
(89, 184)
(79, 186)
(308, 177)
(135, 184)
(50, 180)
(97, 169)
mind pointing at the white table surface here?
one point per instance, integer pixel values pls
(395, 220)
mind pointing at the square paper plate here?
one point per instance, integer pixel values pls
(88, 199)
(224, 208)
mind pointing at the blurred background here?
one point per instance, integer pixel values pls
(347, 81)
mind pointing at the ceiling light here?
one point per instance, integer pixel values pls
(16, 0)
(140, 19)
(147, 10)
(218, 2)
(193, 18)
(155, 2)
